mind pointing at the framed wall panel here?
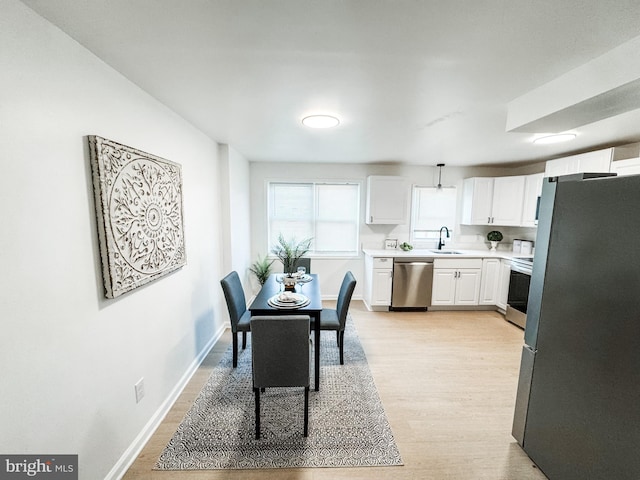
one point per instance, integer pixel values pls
(138, 200)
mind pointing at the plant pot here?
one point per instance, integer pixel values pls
(289, 283)
(494, 245)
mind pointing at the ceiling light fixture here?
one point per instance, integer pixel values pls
(320, 121)
(556, 138)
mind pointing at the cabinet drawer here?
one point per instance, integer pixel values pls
(457, 263)
(383, 262)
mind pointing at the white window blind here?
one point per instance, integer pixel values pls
(326, 212)
(432, 208)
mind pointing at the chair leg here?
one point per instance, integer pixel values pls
(244, 340)
(257, 394)
(306, 411)
(338, 337)
(235, 349)
(341, 343)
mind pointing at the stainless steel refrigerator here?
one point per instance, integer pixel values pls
(577, 411)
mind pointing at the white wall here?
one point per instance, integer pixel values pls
(236, 238)
(69, 358)
(331, 270)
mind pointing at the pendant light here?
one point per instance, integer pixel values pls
(440, 165)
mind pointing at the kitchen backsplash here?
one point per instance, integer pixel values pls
(467, 241)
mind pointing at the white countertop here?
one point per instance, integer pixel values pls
(429, 253)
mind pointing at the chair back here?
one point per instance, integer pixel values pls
(344, 297)
(303, 262)
(280, 350)
(234, 295)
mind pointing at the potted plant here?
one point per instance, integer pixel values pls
(494, 237)
(261, 268)
(290, 251)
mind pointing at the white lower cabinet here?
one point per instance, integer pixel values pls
(489, 283)
(503, 284)
(378, 281)
(456, 281)
(381, 288)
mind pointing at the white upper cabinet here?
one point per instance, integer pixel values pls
(631, 166)
(532, 190)
(591, 162)
(477, 200)
(493, 201)
(387, 200)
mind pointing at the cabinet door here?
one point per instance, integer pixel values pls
(489, 282)
(594, 162)
(477, 200)
(387, 200)
(444, 286)
(381, 287)
(508, 194)
(630, 166)
(503, 284)
(532, 190)
(557, 167)
(468, 286)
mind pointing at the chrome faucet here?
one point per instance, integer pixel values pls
(441, 243)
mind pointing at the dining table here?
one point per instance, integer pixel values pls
(263, 304)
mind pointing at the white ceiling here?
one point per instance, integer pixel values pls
(413, 81)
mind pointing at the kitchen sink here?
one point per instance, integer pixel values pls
(446, 252)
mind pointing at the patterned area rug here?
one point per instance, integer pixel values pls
(347, 423)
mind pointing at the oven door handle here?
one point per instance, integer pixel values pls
(519, 269)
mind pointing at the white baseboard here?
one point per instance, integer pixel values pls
(132, 452)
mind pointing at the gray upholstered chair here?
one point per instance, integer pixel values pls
(336, 319)
(239, 315)
(280, 357)
(303, 262)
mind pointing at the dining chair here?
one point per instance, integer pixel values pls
(303, 262)
(238, 314)
(280, 357)
(331, 319)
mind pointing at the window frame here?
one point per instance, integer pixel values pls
(432, 236)
(315, 214)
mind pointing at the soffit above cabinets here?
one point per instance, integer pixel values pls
(604, 87)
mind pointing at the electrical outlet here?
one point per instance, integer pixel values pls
(139, 387)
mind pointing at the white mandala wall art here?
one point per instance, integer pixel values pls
(138, 199)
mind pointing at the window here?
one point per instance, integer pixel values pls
(326, 212)
(431, 209)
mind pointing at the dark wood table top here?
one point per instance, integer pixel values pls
(311, 290)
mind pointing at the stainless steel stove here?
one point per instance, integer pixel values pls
(518, 297)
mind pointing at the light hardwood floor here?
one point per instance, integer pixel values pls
(447, 381)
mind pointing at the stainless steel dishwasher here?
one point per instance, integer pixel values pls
(412, 283)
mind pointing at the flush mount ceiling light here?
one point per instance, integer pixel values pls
(556, 138)
(320, 121)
